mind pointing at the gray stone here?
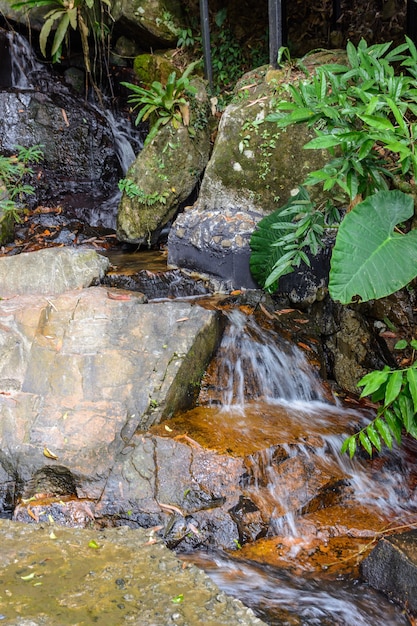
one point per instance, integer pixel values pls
(80, 372)
(392, 568)
(50, 271)
(253, 168)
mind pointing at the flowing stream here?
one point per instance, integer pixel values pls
(267, 388)
(261, 374)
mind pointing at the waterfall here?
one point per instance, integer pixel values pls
(266, 385)
(258, 363)
(25, 69)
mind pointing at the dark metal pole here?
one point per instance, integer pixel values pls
(205, 35)
(275, 30)
(412, 20)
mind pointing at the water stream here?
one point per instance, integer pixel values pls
(269, 393)
(267, 388)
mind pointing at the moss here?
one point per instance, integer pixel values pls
(151, 67)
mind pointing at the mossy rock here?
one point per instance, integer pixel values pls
(166, 172)
(153, 67)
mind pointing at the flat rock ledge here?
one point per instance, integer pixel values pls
(56, 576)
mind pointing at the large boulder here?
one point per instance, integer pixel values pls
(50, 271)
(81, 371)
(165, 173)
(252, 171)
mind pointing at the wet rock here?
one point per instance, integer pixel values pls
(50, 271)
(116, 576)
(169, 284)
(252, 170)
(208, 480)
(392, 568)
(80, 168)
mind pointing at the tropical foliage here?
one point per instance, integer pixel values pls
(364, 115)
(396, 391)
(163, 104)
(15, 173)
(87, 17)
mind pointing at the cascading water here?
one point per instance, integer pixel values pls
(93, 196)
(266, 384)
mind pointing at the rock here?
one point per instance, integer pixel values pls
(209, 482)
(50, 271)
(155, 23)
(77, 144)
(81, 371)
(251, 172)
(215, 244)
(110, 577)
(156, 66)
(392, 568)
(166, 172)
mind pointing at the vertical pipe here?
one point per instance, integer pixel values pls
(205, 34)
(275, 30)
(412, 20)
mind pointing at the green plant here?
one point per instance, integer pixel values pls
(372, 257)
(15, 171)
(396, 391)
(132, 190)
(364, 115)
(83, 16)
(163, 104)
(186, 38)
(281, 238)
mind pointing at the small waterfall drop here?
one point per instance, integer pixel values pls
(25, 69)
(266, 383)
(256, 363)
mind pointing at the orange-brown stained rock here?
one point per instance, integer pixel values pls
(331, 541)
(262, 426)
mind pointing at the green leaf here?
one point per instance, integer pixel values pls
(377, 122)
(393, 387)
(44, 34)
(373, 381)
(373, 436)
(369, 259)
(365, 443)
(265, 240)
(401, 344)
(394, 423)
(384, 431)
(412, 385)
(61, 31)
(352, 446)
(407, 412)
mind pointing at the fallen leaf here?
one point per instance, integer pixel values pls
(182, 319)
(64, 115)
(304, 346)
(93, 544)
(28, 577)
(49, 454)
(168, 428)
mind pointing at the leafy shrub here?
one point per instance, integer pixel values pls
(84, 16)
(163, 104)
(364, 116)
(15, 171)
(396, 390)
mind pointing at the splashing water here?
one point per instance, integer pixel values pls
(259, 370)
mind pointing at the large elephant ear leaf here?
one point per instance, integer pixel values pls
(370, 259)
(265, 254)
